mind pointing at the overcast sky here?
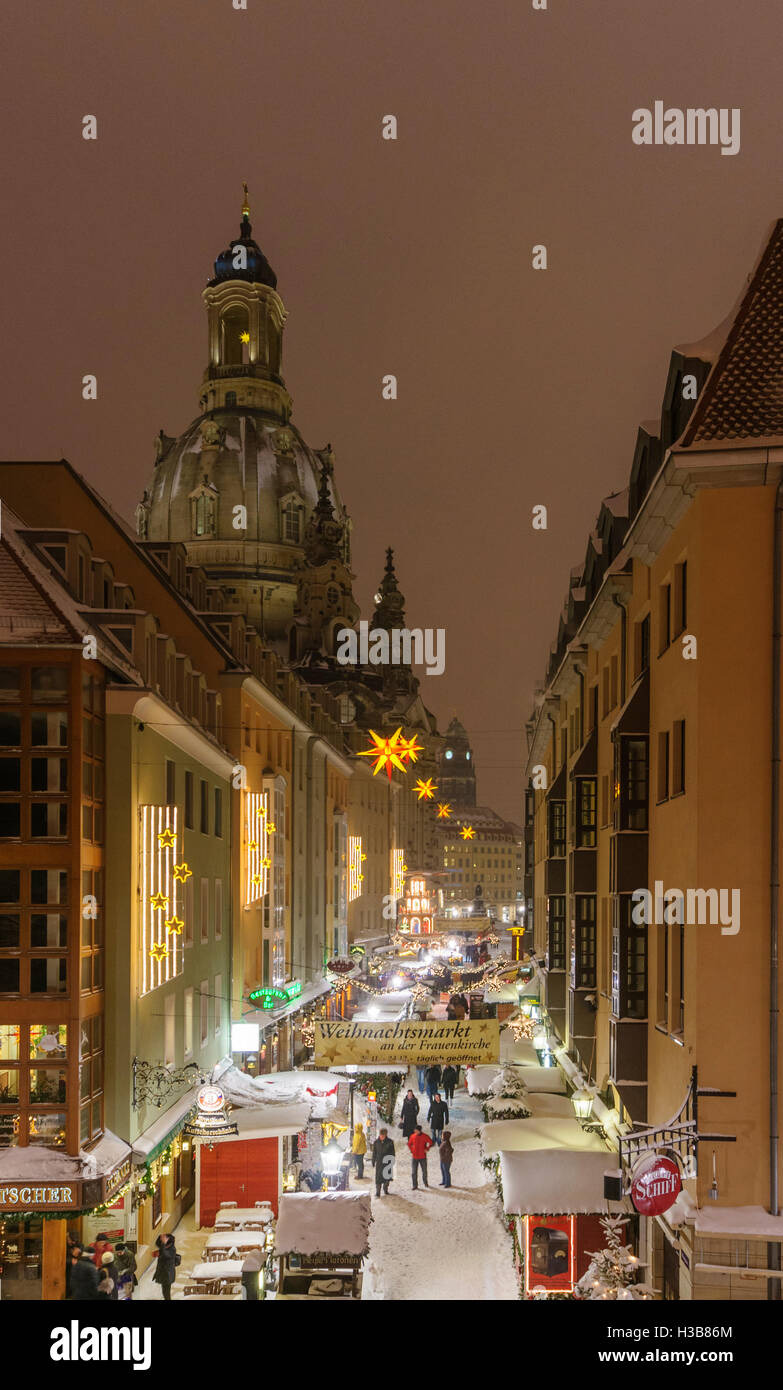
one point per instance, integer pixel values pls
(516, 387)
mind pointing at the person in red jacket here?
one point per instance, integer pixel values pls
(419, 1143)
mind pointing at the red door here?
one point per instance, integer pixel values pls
(244, 1171)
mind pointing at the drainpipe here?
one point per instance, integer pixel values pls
(623, 644)
(773, 1251)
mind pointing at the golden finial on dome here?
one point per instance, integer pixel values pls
(245, 203)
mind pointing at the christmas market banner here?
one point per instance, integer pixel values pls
(413, 1043)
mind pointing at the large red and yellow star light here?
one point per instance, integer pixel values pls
(444, 810)
(426, 790)
(467, 832)
(394, 751)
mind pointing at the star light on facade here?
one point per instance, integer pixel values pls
(444, 810)
(467, 832)
(410, 749)
(182, 872)
(167, 839)
(244, 337)
(174, 925)
(426, 789)
(159, 950)
(388, 752)
(159, 901)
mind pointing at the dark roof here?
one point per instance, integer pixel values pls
(258, 270)
(742, 401)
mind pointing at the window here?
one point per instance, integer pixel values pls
(665, 616)
(633, 757)
(171, 782)
(642, 642)
(203, 1012)
(169, 1031)
(188, 1039)
(218, 813)
(189, 821)
(204, 809)
(629, 958)
(557, 830)
(218, 1003)
(556, 945)
(231, 398)
(586, 813)
(49, 683)
(204, 913)
(680, 598)
(291, 523)
(48, 975)
(678, 757)
(190, 908)
(218, 909)
(583, 943)
(663, 766)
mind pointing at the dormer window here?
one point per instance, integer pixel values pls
(203, 510)
(291, 518)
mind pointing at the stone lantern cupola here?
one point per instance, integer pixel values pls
(245, 317)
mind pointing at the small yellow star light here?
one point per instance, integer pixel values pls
(261, 811)
(444, 810)
(252, 844)
(426, 789)
(182, 872)
(410, 749)
(158, 901)
(387, 752)
(174, 925)
(266, 863)
(467, 832)
(167, 838)
(256, 879)
(244, 337)
(270, 827)
(159, 950)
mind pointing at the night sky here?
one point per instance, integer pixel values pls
(516, 387)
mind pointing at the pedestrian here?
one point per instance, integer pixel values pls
(251, 1275)
(383, 1162)
(421, 1073)
(359, 1149)
(102, 1244)
(107, 1282)
(72, 1257)
(84, 1279)
(438, 1116)
(456, 1076)
(433, 1079)
(419, 1145)
(446, 1158)
(409, 1115)
(166, 1270)
(448, 1081)
(125, 1261)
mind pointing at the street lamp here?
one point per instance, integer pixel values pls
(582, 1101)
(331, 1159)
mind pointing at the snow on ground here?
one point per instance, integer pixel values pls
(439, 1243)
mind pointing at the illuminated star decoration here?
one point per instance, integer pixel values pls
(182, 872)
(174, 925)
(158, 901)
(158, 950)
(426, 789)
(388, 752)
(410, 749)
(270, 827)
(467, 832)
(244, 337)
(444, 810)
(167, 838)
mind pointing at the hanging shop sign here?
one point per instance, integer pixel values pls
(42, 1197)
(656, 1184)
(341, 1043)
(274, 997)
(358, 951)
(341, 965)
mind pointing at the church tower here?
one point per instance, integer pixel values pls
(456, 771)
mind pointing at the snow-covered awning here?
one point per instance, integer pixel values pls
(544, 1079)
(750, 1223)
(507, 994)
(40, 1163)
(310, 1223)
(266, 1121)
(158, 1134)
(537, 1132)
(551, 1182)
(521, 1051)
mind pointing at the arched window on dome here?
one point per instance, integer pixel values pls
(203, 510)
(347, 710)
(231, 398)
(234, 336)
(291, 518)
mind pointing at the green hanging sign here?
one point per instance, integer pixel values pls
(273, 998)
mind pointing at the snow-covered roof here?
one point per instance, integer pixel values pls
(541, 1103)
(738, 1221)
(495, 1105)
(311, 1222)
(507, 994)
(156, 1133)
(40, 1163)
(267, 1120)
(351, 1069)
(479, 1079)
(537, 1132)
(544, 1079)
(522, 1052)
(276, 1088)
(546, 1182)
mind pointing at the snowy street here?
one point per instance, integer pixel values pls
(439, 1243)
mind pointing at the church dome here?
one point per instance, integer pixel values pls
(253, 266)
(241, 459)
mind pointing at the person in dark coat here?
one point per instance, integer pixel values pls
(409, 1115)
(433, 1080)
(438, 1116)
(168, 1259)
(446, 1158)
(448, 1082)
(84, 1279)
(383, 1162)
(72, 1257)
(107, 1277)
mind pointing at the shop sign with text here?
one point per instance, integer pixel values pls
(466, 1043)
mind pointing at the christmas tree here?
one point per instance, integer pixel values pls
(613, 1271)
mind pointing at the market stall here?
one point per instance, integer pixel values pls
(322, 1239)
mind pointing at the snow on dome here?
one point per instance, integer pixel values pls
(540, 1182)
(536, 1133)
(311, 1222)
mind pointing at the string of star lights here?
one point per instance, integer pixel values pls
(162, 955)
(258, 859)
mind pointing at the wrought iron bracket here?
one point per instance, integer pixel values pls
(681, 1135)
(154, 1083)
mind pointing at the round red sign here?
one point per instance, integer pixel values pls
(656, 1185)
